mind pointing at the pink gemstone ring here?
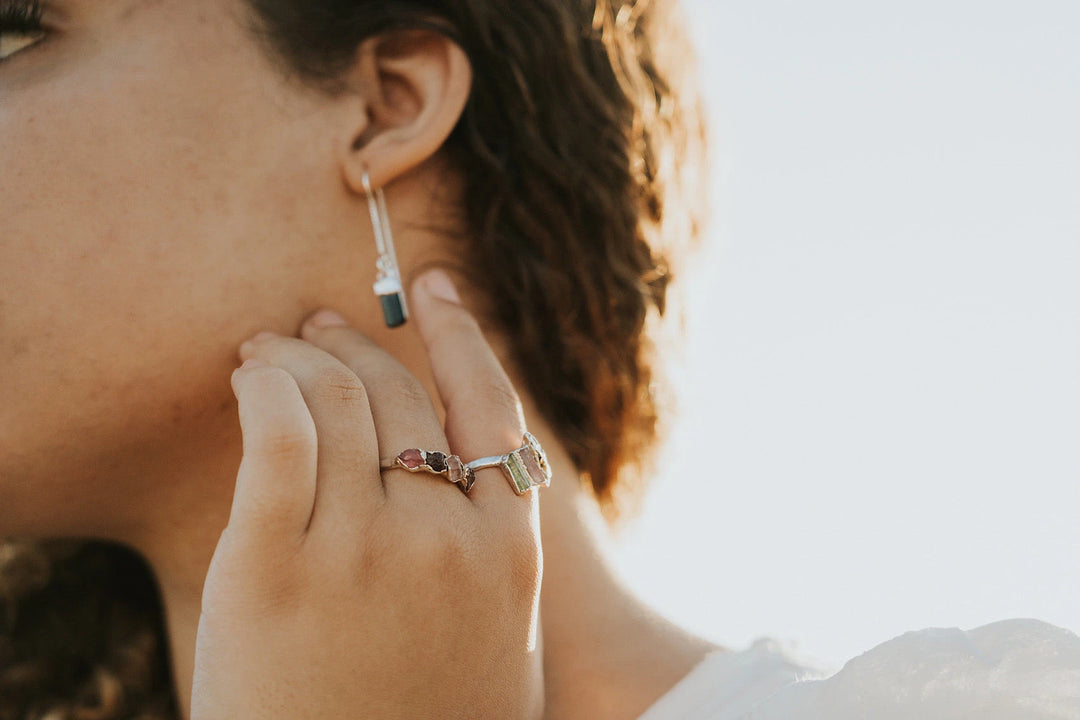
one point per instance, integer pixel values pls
(436, 463)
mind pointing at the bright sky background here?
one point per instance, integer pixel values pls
(883, 423)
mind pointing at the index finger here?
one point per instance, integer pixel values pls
(483, 412)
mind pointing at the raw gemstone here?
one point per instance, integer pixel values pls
(393, 307)
(515, 470)
(411, 458)
(436, 461)
(470, 478)
(455, 468)
(539, 477)
(541, 456)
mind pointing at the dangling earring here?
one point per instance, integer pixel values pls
(388, 278)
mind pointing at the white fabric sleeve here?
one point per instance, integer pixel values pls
(726, 684)
(1017, 669)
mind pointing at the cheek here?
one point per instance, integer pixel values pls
(135, 250)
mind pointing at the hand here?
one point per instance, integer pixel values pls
(339, 591)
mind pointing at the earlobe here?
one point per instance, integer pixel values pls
(416, 84)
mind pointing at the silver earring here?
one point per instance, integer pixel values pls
(388, 285)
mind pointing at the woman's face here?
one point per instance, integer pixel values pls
(163, 195)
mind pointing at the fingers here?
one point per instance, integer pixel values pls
(348, 483)
(275, 487)
(402, 410)
(351, 387)
(483, 413)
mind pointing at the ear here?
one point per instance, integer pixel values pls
(415, 84)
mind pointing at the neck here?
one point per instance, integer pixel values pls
(179, 537)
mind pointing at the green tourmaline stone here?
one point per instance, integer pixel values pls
(519, 475)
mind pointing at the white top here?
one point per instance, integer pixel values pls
(1008, 670)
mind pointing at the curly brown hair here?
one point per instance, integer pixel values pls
(581, 149)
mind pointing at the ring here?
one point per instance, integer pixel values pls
(436, 463)
(525, 468)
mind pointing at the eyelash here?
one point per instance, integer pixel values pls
(21, 17)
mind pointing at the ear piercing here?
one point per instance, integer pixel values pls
(388, 285)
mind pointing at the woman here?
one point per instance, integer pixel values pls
(178, 176)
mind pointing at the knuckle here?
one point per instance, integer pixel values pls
(339, 385)
(500, 393)
(526, 557)
(525, 579)
(404, 387)
(376, 557)
(270, 578)
(363, 555)
(447, 552)
(521, 561)
(287, 444)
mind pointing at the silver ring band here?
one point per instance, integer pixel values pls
(488, 462)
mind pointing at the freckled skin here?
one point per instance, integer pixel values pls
(163, 196)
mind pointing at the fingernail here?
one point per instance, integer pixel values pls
(253, 363)
(438, 284)
(248, 346)
(327, 318)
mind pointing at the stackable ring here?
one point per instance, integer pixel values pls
(436, 463)
(525, 468)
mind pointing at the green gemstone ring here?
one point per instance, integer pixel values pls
(525, 468)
